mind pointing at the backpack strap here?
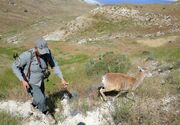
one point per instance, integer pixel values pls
(38, 58)
(29, 67)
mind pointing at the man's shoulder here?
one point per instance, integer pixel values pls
(27, 54)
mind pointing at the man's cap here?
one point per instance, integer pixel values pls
(42, 46)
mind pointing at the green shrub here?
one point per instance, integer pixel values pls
(158, 87)
(85, 106)
(122, 111)
(7, 119)
(10, 86)
(173, 79)
(9, 51)
(176, 122)
(108, 62)
(152, 88)
(167, 54)
(73, 59)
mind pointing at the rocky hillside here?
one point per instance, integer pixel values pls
(104, 114)
(113, 22)
(22, 20)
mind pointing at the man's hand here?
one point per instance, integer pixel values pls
(25, 85)
(64, 83)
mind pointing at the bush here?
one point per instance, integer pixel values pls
(167, 54)
(10, 86)
(7, 119)
(122, 112)
(173, 79)
(9, 51)
(108, 62)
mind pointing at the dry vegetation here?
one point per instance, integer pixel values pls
(27, 20)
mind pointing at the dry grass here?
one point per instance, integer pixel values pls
(157, 42)
(41, 17)
(7, 119)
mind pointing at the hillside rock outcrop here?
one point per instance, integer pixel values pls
(147, 19)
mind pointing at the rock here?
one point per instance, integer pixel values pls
(55, 36)
(25, 10)
(164, 68)
(80, 23)
(11, 2)
(81, 123)
(13, 40)
(176, 65)
(95, 117)
(24, 110)
(83, 41)
(146, 52)
(159, 33)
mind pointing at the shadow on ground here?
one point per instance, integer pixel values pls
(57, 96)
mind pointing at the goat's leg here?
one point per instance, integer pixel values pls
(102, 93)
(121, 92)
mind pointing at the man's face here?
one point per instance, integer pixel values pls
(39, 54)
(45, 57)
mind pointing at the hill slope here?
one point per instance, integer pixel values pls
(31, 18)
(113, 22)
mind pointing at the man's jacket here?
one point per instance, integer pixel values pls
(28, 63)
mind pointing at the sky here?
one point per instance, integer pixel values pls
(128, 1)
(92, 1)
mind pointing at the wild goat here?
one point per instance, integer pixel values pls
(122, 82)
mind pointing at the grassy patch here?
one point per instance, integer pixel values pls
(10, 85)
(164, 54)
(85, 106)
(167, 54)
(177, 120)
(173, 80)
(73, 59)
(104, 26)
(108, 62)
(77, 77)
(53, 84)
(122, 111)
(153, 88)
(158, 87)
(75, 74)
(9, 51)
(82, 105)
(7, 119)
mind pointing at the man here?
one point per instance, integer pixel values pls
(31, 68)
